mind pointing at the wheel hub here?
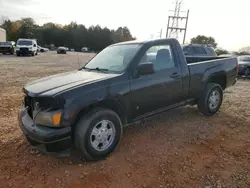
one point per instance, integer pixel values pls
(214, 99)
(102, 135)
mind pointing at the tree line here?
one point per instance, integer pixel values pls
(72, 35)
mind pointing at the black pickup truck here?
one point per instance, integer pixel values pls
(88, 108)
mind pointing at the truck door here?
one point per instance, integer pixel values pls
(160, 89)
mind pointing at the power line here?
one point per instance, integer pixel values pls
(174, 30)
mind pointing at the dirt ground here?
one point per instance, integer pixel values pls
(176, 149)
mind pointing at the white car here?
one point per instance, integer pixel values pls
(26, 46)
(84, 49)
(42, 49)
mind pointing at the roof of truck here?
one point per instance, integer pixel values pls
(26, 39)
(142, 41)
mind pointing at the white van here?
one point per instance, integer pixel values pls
(26, 46)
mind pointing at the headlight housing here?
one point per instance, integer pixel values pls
(51, 119)
(45, 111)
(30, 48)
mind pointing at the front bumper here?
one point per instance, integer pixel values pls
(24, 51)
(52, 141)
(61, 52)
(241, 70)
(5, 50)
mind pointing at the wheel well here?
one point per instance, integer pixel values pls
(112, 104)
(219, 79)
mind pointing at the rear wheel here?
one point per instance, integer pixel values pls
(98, 134)
(211, 99)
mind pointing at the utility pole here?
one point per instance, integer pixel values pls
(175, 29)
(160, 34)
(185, 31)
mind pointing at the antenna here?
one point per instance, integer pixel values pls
(78, 60)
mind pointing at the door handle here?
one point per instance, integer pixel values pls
(175, 75)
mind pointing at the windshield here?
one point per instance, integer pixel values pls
(114, 58)
(244, 58)
(4, 43)
(24, 42)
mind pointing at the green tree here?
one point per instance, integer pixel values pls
(72, 35)
(202, 39)
(221, 51)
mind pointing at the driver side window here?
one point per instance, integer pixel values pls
(160, 55)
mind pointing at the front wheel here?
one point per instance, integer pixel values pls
(98, 134)
(247, 71)
(210, 101)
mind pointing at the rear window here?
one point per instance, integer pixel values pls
(188, 50)
(199, 50)
(211, 51)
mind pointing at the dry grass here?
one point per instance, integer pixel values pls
(178, 149)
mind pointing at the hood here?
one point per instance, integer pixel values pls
(24, 46)
(54, 84)
(5, 45)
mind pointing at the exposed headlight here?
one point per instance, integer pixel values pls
(52, 119)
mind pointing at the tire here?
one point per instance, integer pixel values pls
(247, 71)
(209, 106)
(33, 53)
(84, 137)
(17, 54)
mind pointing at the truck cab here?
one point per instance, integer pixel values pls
(26, 47)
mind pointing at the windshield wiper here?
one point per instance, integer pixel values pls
(97, 68)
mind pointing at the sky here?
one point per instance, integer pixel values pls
(225, 20)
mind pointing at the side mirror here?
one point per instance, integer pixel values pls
(34, 45)
(146, 68)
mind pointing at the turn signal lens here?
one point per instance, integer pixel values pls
(56, 118)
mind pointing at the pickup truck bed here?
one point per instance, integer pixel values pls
(201, 68)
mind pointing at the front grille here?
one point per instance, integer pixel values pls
(29, 103)
(24, 49)
(3, 49)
